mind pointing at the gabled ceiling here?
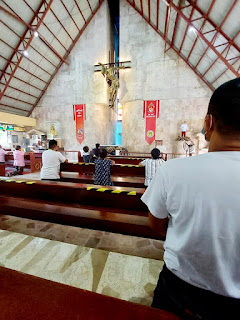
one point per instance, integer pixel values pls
(204, 33)
(36, 37)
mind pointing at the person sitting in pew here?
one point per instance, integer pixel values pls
(103, 169)
(2, 155)
(51, 160)
(196, 201)
(86, 155)
(151, 165)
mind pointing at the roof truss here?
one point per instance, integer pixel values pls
(24, 79)
(210, 38)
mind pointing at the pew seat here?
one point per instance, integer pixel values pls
(103, 219)
(28, 297)
(128, 181)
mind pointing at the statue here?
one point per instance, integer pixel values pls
(53, 131)
(112, 81)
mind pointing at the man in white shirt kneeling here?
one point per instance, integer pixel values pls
(195, 201)
(51, 160)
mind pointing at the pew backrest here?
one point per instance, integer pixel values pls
(76, 193)
(29, 297)
(116, 170)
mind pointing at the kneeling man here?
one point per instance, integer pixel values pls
(51, 160)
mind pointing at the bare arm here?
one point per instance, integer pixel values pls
(159, 226)
(113, 162)
(140, 164)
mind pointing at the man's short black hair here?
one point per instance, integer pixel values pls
(85, 149)
(224, 105)
(103, 153)
(97, 145)
(155, 153)
(18, 147)
(52, 144)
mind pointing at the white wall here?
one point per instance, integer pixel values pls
(79, 84)
(155, 76)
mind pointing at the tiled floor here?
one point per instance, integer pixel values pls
(136, 246)
(122, 276)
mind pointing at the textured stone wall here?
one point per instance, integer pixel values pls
(79, 84)
(155, 75)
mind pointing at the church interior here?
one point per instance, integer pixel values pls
(130, 75)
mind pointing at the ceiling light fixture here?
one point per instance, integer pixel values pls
(25, 53)
(192, 29)
(35, 34)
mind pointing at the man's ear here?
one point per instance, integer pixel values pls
(209, 123)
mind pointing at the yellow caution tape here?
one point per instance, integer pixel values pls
(130, 166)
(30, 182)
(132, 193)
(123, 165)
(117, 191)
(19, 181)
(9, 180)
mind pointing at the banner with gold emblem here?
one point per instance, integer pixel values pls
(79, 115)
(150, 113)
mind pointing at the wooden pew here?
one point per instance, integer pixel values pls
(112, 209)
(132, 182)
(28, 297)
(33, 161)
(82, 194)
(2, 170)
(142, 155)
(122, 160)
(120, 170)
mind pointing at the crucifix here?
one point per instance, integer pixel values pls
(110, 71)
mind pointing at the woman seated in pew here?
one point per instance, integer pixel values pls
(151, 165)
(103, 169)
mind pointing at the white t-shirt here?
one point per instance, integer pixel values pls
(151, 166)
(202, 196)
(2, 155)
(51, 161)
(184, 127)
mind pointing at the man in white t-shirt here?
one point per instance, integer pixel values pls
(195, 201)
(51, 160)
(151, 165)
(184, 128)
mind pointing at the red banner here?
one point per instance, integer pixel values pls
(150, 113)
(79, 115)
